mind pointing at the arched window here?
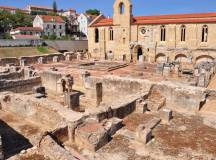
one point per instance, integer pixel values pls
(183, 33)
(96, 35)
(111, 34)
(205, 33)
(121, 8)
(163, 33)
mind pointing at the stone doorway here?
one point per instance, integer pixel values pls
(138, 54)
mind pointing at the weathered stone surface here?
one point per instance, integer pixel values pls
(51, 149)
(165, 115)
(72, 100)
(91, 136)
(143, 134)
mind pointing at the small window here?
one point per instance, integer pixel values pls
(205, 33)
(48, 26)
(183, 29)
(54, 26)
(60, 34)
(60, 26)
(121, 8)
(163, 33)
(96, 35)
(111, 34)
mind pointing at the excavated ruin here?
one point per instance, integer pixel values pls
(65, 106)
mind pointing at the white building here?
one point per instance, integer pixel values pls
(68, 13)
(51, 25)
(84, 20)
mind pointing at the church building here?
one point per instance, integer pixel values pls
(162, 38)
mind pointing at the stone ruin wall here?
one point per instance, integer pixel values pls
(47, 58)
(50, 80)
(20, 85)
(12, 75)
(10, 60)
(177, 95)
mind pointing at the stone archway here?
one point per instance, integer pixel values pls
(161, 58)
(182, 58)
(204, 58)
(138, 55)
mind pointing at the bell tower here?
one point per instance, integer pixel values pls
(122, 19)
(122, 12)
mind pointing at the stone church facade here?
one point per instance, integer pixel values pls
(177, 37)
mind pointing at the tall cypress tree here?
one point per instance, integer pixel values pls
(54, 6)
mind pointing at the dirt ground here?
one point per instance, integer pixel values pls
(18, 133)
(185, 138)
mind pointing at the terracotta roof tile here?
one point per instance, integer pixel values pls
(28, 28)
(8, 7)
(47, 18)
(165, 19)
(20, 36)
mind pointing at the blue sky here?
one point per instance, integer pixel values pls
(140, 7)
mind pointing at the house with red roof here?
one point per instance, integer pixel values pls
(158, 38)
(50, 25)
(30, 31)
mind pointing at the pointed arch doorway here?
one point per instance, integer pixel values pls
(139, 54)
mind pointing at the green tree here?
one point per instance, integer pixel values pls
(9, 21)
(93, 12)
(53, 37)
(54, 6)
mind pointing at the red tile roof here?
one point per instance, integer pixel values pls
(29, 29)
(103, 22)
(165, 19)
(47, 18)
(19, 36)
(8, 7)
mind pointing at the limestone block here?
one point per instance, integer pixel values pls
(91, 136)
(143, 134)
(113, 125)
(68, 57)
(165, 115)
(55, 59)
(166, 71)
(99, 93)
(41, 60)
(153, 123)
(154, 104)
(141, 107)
(22, 62)
(72, 100)
(202, 80)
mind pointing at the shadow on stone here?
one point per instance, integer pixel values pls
(13, 142)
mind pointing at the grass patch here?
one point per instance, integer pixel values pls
(42, 49)
(24, 51)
